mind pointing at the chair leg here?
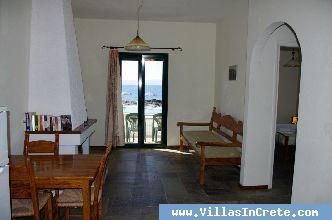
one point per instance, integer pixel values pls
(67, 213)
(202, 174)
(152, 134)
(100, 210)
(57, 213)
(50, 209)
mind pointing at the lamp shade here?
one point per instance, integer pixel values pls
(137, 44)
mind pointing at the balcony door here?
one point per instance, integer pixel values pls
(144, 99)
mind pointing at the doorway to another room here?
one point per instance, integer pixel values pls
(144, 99)
(287, 114)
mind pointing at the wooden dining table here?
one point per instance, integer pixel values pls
(62, 172)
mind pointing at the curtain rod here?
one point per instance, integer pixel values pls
(153, 48)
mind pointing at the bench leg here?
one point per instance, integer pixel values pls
(181, 144)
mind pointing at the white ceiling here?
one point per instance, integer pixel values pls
(155, 10)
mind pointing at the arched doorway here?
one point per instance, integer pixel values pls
(261, 104)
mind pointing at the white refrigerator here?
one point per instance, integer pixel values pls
(5, 212)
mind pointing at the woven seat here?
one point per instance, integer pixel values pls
(24, 207)
(73, 198)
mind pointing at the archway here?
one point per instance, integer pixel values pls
(261, 104)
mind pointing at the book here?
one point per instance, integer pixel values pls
(27, 121)
(66, 122)
(59, 123)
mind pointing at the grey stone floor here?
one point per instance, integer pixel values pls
(141, 179)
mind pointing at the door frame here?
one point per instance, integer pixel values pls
(140, 57)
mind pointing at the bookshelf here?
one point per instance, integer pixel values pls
(78, 130)
(69, 140)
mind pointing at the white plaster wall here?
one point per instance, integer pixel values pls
(261, 98)
(78, 107)
(288, 89)
(231, 43)
(14, 64)
(312, 174)
(55, 83)
(191, 72)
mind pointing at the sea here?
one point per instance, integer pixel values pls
(130, 94)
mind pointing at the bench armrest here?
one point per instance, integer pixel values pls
(218, 144)
(180, 123)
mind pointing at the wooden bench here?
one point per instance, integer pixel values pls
(219, 145)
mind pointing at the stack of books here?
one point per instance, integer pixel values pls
(36, 122)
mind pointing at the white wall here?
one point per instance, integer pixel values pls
(231, 50)
(14, 65)
(312, 174)
(288, 88)
(55, 82)
(191, 72)
(261, 103)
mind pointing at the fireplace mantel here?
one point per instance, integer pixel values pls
(69, 140)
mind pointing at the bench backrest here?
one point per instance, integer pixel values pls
(226, 125)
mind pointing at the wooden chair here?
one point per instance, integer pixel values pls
(41, 146)
(72, 198)
(26, 201)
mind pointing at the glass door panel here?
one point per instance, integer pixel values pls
(129, 73)
(153, 100)
(144, 98)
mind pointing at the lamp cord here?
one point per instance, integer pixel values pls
(139, 6)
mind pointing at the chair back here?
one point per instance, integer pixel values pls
(22, 184)
(100, 179)
(41, 146)
(132, 121)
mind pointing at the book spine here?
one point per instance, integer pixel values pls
(59, 123)
(40, 120)
(45, 122)
(27, 121)
(51, 120)
(55, 123)
(37, 123)
(33, 123)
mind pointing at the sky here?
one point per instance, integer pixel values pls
(153, 72)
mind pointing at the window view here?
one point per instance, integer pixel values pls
(153, 100)
(142, 99)
(130, 100)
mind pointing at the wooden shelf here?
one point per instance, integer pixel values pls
(78, 130)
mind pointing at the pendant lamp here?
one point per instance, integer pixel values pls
(137, 44)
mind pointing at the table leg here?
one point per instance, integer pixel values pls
(286, 149)
(86, 201)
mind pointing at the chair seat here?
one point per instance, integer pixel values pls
(73, 198)
(24, 207)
